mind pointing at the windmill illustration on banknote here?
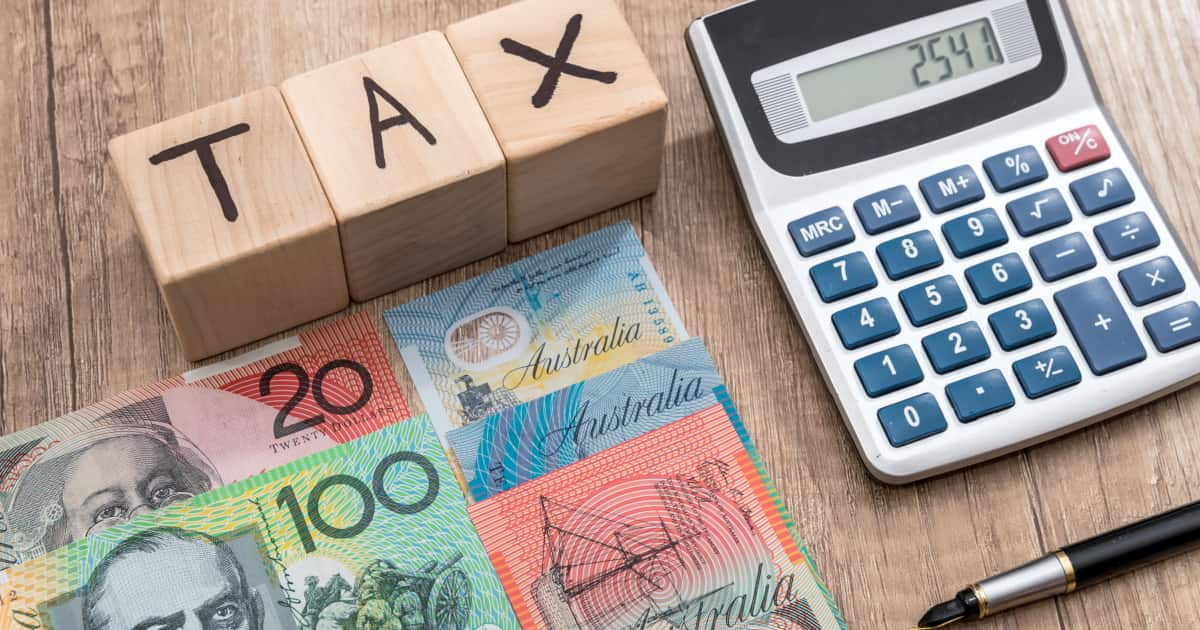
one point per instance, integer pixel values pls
(652, 553)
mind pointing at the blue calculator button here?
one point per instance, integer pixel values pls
(1020, 325)
(977, 396)
(956, 347)
(974, 233)
(1062, 257)
(913, 253)
(887, 209)
(887, 371)
(913, 419)
(1013, 169)
(952, 189)
(865, 323)
(1175, 327)
(1100, 326)
(1039, 212)
(843, 277)
(928, 302)
(821, 231)
(1103, 191)
(998, 278)
(1127, 236)
(1151, 281)
(1047, 372)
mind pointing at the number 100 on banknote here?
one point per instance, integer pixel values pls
(534, 327)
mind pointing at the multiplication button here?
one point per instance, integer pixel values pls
(913, 419)
(1047, 372)
(1175, 327)
(1151, 281)
(1100, 326)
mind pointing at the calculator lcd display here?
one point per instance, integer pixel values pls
(901, 69)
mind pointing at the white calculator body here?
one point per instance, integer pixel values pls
(970, 249)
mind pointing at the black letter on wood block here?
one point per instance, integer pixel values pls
(203, 148)
(557, 65)
(402, 117)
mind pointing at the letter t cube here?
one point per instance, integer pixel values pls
(235, 225)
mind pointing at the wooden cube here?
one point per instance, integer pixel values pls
(413, 172)
(574, 103)
(234, 222)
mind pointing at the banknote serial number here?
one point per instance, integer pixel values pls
(659, 320)
(310, 512)
(317, 384)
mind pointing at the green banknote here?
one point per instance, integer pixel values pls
(371, 534)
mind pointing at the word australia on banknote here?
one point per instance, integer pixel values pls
(560, 428)
(369, 534)
(533, 327)
(147, 448)
(679, 528)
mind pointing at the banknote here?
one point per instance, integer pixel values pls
(678, 528)
(370, 534)
(562, 427)
(149, 447)
(533, 327)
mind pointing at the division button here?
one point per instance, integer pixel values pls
(1100, 326)
(1127, 236)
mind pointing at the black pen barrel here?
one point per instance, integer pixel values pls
(1135, 545)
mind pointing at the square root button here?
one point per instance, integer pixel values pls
(821, 231)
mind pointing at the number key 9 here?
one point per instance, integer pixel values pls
(974, 233)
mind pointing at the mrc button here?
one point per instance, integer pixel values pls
(821, 231)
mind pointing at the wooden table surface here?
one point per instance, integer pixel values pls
(80, 317)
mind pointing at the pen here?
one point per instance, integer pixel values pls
(1080, 564)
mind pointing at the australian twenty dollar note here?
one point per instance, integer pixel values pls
(371, 534)
(533, 327)
(534, 438)
(678, 529)
(166, 442)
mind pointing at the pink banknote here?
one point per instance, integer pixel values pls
(679, 528)
(73, 476)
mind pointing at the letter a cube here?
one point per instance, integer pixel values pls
(574, 103)
(234, 223)
(411, 167)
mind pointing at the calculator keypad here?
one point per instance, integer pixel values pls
(1100, 317)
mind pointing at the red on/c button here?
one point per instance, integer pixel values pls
(1077, 147)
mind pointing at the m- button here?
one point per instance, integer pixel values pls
(820, 231)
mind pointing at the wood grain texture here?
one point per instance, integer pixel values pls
(80, 318)
(416, 199)
(600, 135)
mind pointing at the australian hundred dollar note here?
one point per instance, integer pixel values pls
(533, 327)
(146, 448)
(370, 534)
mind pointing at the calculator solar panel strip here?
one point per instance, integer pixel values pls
(964, 257)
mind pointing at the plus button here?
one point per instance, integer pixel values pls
(1102, 321)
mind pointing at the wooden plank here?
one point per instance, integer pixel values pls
(1146, 60)
(36, 363)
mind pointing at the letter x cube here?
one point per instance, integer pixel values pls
(234, 222)
(573, 102)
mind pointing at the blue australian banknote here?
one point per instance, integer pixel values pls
(562, 427)
(533, 327)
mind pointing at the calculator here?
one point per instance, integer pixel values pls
(974, 258)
